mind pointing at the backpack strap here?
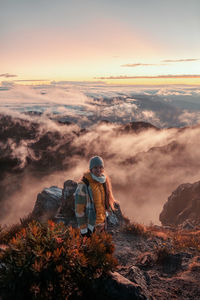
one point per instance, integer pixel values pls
(85, 180)
(106, 195)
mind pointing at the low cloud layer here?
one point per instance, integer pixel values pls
(37, 151)
(85, 104)
(145, 166)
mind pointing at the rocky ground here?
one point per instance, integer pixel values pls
(153, 263)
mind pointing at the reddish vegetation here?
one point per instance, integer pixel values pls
(163, 262)
(52, 261)
(156, 262)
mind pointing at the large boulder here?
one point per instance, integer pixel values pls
(182, 205)
(139, 277)
(116, 286)
(56, 203)
(47, 204)
(67, 201)
(66, 212)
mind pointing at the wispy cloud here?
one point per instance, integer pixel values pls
(134, 65)
(180, 60)
(32, 80)
(149, 77)
(67, 82)
(137, 65)
(7, 75)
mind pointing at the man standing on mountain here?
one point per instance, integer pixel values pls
(93, 198)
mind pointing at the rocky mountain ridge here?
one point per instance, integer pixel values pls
(152, 265)
(182, 205)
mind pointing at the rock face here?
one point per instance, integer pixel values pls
(56, 203)
(47, 204)
(66, 211)
(117, 287)
(137, 276)
(182, 205)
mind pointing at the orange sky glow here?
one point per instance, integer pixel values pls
(118, 43)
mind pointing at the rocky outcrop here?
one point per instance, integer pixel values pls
(137, 127)
(182, 206)
(139, 277)
(58, 204)
(47, 204)
(116, 286)
(66, 211)
(149, 266)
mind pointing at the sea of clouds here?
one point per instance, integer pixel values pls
(144, 167)
(85, 103)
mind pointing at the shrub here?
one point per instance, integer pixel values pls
(7, 232)
(183, 240)
(53, 262)
(135, 229)
(163, 254)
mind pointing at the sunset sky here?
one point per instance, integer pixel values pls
(113, 41)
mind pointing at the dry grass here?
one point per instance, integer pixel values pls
(173, 239)
(162, 235)
(194, 267)
(177, 239)
(126, 219)
(183, 240)
(163, 253)
(135, 229)
(8, 232)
